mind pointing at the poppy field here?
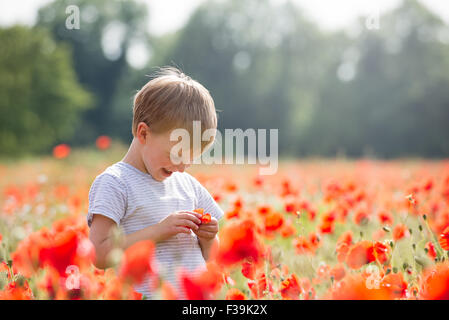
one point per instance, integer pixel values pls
(318, 229)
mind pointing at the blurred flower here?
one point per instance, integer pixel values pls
(138, 262)
(435, 282)
(61, 151)
(103, 142)
(400, 231)
(444, 239)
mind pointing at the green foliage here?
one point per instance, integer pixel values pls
(107, 30)
(380, 93)
(40, 98)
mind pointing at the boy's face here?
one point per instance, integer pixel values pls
(156, 155)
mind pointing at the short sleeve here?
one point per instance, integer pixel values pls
(205, 200)
(108, 197)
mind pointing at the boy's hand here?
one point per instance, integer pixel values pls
(207, 231)
(179, 222)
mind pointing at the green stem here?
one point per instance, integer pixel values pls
(440, 252)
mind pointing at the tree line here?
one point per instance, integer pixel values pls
(377, 92)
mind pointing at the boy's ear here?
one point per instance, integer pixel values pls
(142, 132)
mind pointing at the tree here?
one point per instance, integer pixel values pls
(40, 97)
(261, 62)
(386, 92)
(108, 30)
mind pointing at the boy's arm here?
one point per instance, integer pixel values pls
(102, 233)
(206, 246)
(102, 237)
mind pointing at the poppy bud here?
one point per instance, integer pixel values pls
(424, 217)
(395, 270)
(420, 227)
(388, 271)
(420, 262)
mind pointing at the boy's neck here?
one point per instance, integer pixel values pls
(133, 157)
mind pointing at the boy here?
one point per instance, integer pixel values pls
(146, 194)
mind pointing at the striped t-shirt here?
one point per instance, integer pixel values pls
(134, 200)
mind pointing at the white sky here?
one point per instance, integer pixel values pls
(169, 15)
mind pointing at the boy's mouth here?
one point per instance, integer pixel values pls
(167, 172)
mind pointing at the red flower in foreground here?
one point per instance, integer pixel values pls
(61, 151)
(290, 288)
(359, 254)
(260, 286)
(138, 261)
(235, 294)
(444, 239)
(400, 231)
(273, 221)
(103, 142)
(435, 283)
(338, 272)
(396, 284)
(13, 291)
(205, 219)
(431, 251)
(353, 287)
(61, 252)
(239, 241)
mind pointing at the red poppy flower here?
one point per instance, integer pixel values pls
(205, 219)
(168, 292)
(395, 284)
(260, 286)
(361, 216)
(61, 252)
(385, 218)
(138, 261)
(302, 245)
(342, 251)
(359, 254)
(444, 239)
(290, 288)
(13, 291)
(273, 221)
(338, 272)
(431, 251)
(381, 252)
(103, 142)
(288, 229)
(235, 294)
(435, 282)
(249, 269)
(400, 231)
(353, 287)
(61, 151)
(202, 286)
(239, 241)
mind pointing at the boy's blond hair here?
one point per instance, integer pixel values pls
(173, 100)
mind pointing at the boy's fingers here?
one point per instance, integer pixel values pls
(190, 217)
(209, 227)
(182, 230)
(196, 214)
(188, 223)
